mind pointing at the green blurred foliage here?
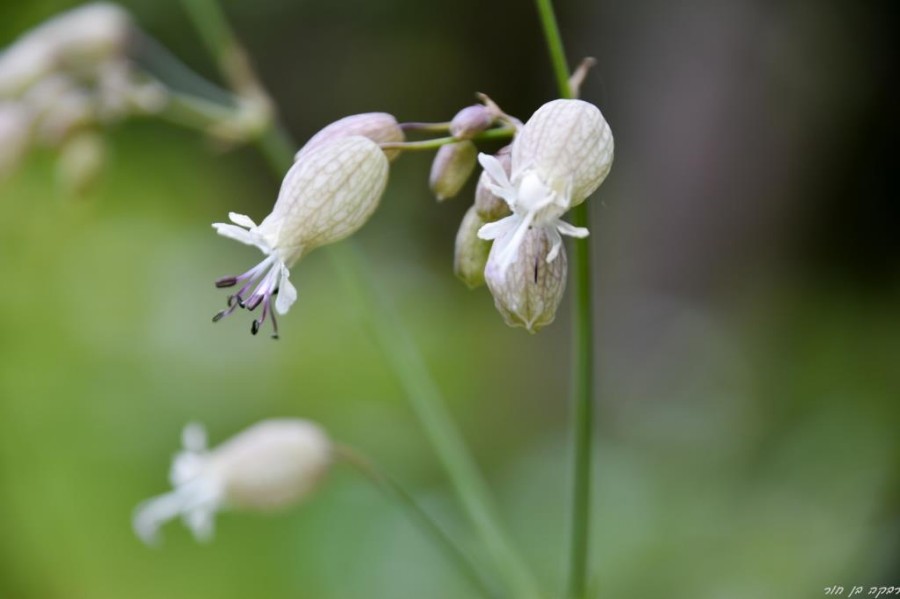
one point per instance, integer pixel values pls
(748, 449)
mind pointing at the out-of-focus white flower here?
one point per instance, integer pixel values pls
(327, 195)
(559, 157)
(15, 124)
(270, 465)
(380, 127)
(528, 291)
(81, 161)
(74, 40)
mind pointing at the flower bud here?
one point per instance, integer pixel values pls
(471, 252)
(568, 145)
(81, 161)
(270, 465)
(326, 195)
(380, 127)
(453, 165)
(527, 292)
(14, 136)
(471, 120)
(491, 207)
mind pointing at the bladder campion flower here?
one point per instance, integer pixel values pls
(559, 157)
(380, 127)
(326, 195)
(270, 465)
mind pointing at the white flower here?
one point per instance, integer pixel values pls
(327, 195)
(270, 465)
(559, 157)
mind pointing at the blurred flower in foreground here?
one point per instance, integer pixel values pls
(326, 195)
(73, 74)
(559, 157)
(270, 465)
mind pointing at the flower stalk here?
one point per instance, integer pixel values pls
(583, 348)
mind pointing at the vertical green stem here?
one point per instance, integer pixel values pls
(583, 348)
(398, 347)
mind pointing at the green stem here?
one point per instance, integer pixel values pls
(421, 390)
(394, 491)
(437, 142)
(428, 404)
(583, 349)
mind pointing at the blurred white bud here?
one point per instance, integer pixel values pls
(270, 465)
(81, 161)
(380, 127)
(453, 165)
(528, 291)
(472, 120)
(492, 207)
(559, 157)
(327, 195)
(76, 39)
(60, 107)
(15, 136)
(471, 252)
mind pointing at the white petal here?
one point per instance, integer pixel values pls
(287, 293)
(494, 169)
(510, 243)
(236, 233)
(153, 513)
(571, 230)
(554, 236)
(242, 220)
(500, 228)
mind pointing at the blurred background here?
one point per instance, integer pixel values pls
(747, 288)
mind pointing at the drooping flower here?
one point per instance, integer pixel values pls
(559, 157)
(327, 195)
(528, 291)
(270, 465)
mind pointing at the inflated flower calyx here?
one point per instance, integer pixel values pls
(491, 207)
(380, 127)
(326, 196)
(471, 253)
(559, 157)
(568, 145)
(271, 465)
(453, 165)
(528, 291)
(472, 120)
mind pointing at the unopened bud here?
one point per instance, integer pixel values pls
(471, 252)
(81, 161)
(270, 465)
(491, 207)
(471, 121)
(380, 127)
(527, 292)
(453, 165)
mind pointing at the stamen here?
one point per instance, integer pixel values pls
(226, 282)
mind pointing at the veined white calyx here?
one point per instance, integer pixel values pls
(326, 196)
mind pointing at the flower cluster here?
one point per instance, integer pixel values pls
(66, 78)
(557, 159)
